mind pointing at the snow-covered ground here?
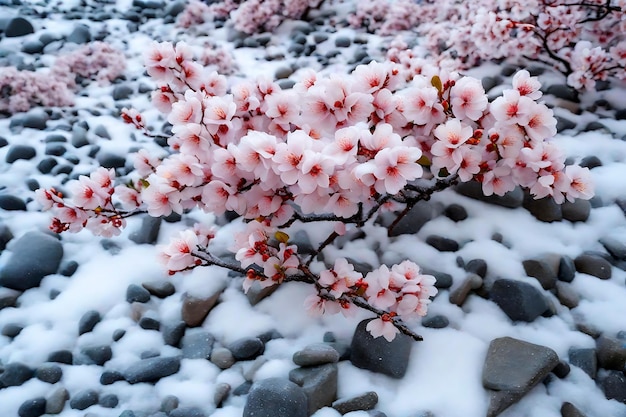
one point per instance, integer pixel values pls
(444, 373)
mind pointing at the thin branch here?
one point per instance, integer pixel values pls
(423, 195)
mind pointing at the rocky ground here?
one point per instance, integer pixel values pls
(529, 318)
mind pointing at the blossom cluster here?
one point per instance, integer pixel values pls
(93, 61)
(338, 149)
(583, 40)
(249, 16)
(21, 90)
(385, 17)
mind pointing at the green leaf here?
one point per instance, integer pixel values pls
(424, 161)
(436, 82)
(282, 237)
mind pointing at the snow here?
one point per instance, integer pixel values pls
(445, 369)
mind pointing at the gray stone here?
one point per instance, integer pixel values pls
(173, 332)
(152, 369)
(561, 370)
(8, 298)
(17, 152)
(46, 165)
(591, 162)
(420, 214)
(545, 270)
(436, 322)
(137, 294)
(316, 354)
(197, 344)
(222, 358)
(244, 388)
(221, 393)
(567, 269)
(455, 212)
(36, 119)
(443, 280)
(80, 35)
(442, 244)
(490, 82)
(110, 377)
(49, 372)
(477, 266)
(111, 160)
(283, 72)
(615, 247)
(88, 321)
(5, 236)
(101, 131)
(570, 410)
(195, 310)
(473, 189)
(160, 289)
(34, 256)
(366, 401)
(563, 124)
(613, 383)
(246, 348)
(122, 92)
(512, 368)
(12, 203)
(84, 399)
(460, 293)
(342, 42)
(275, 397)
(187, 412)
(55, 401)
(108, 401)
(15, 374)
(56, 149)
(12, 330)
(148, 232)
(585, 359)
(516, 365)
(118, 334)
(567, 295)
(564, 92)
(519, 300)
(256, 293)
(593, 265)
(611, 353)
(99, 354)
(169, 403)
(149, 323)
(319, 384)
(61, 356)
(543, 209)
(18, 26)
(379, 355)
(32, 408)
(578, 211)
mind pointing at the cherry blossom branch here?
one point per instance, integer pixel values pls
(397, 322)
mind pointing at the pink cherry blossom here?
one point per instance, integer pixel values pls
(453, 133)
(381, 327)
(468, 99)
(177, 255)
(395, 167)
(526, 85)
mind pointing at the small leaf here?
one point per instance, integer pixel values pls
(443, 172)
(282, 237)
(436, 82)
(424, 161)
(144, 183)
